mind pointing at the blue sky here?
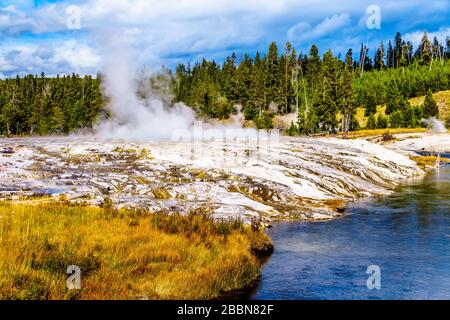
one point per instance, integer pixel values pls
(34, 36)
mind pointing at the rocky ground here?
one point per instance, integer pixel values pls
(302, 178)
(429, 142)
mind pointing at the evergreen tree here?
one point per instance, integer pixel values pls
(325, 105)
(346, 94)
(396, 119)
(424, 51)
(394, 99)
(430, 107)
(381, 122)
(379, 57)
(273, 80)
(244, 81)
(418, 113)
(371, 122)
(313, 71)
(354, 124)
(447, 47)
(390, 56)
(257, 97)
(312, 122)
(292, 130)
(398, 50)
(370, 103)
(290, 78)
(264, 120)
(57, 120)
(409, 118)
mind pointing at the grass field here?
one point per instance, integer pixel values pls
(123, 254)
(442, 99)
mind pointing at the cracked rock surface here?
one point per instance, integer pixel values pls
(301, 178)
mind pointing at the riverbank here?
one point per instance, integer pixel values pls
(123, 254)
(49, 182)
(404, 234)
(427, 149)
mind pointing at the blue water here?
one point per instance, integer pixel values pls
(406, 234)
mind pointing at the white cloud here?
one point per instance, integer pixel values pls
(53, 58)
(171, 30)
(416, 37)
(303, 31)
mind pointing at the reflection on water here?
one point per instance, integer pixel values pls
(406, 234)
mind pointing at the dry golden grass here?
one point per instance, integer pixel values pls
(442, 98)
(380, 132)
(428, 161)
(123, 254)
(362, 119)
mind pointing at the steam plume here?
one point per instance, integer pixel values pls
(436, 125)
(150, 119)
(134, 118)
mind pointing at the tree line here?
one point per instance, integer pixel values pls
(316, 87)
(39, 105)
(320, 88)
(324, 90)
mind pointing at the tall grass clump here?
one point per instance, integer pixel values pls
(123, 254)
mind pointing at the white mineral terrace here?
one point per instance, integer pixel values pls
(430, 142)
(303, 178)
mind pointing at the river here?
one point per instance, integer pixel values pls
(406, 234)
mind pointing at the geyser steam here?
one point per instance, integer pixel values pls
(134, 118)
(152, 118)
(436, 125)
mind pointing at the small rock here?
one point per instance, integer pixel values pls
(341, 207)
(161, 193)
(7, 150)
